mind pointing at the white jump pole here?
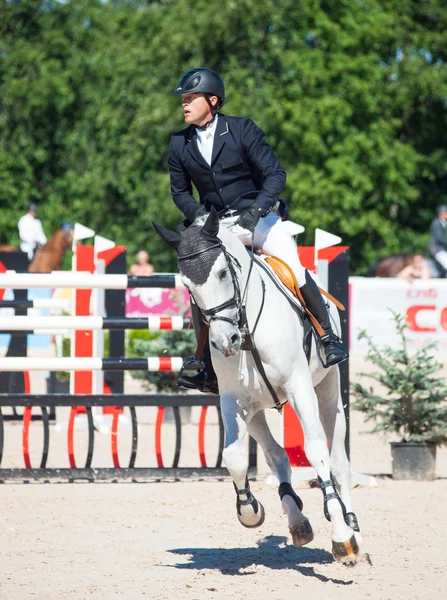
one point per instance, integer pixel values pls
(79, 280)
(82, 280)
(28, 323)
(153, 364)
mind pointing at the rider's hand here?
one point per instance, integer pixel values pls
(250, 217)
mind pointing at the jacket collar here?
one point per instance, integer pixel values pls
(219, 141)
(219, 137)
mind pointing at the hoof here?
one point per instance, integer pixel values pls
(347, 553)
(351, 521)
(302, 533)
(260, 513)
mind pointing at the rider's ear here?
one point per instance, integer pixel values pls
(172, 238)
(211, 226)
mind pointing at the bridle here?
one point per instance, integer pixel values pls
(237, 301)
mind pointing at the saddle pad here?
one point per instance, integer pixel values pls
(262, 261)
(283, 272)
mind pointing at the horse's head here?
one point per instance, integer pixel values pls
(66, 230)
(210, 264)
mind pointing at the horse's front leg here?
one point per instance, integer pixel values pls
(302, 397)
(250, 512)
(278, 461)
(332, 417)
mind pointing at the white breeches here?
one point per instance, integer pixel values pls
(272, 237)
(441, 257)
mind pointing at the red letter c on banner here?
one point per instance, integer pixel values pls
(444, 318)
(412, 314)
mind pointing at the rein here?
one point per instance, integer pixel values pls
(238, 301)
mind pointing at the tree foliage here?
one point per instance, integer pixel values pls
(351, 94)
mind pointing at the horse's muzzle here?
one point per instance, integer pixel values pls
(228, 345)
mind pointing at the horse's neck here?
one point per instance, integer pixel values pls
(49, 257)
(255, 285)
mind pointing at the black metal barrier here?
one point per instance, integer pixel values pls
(50, 402)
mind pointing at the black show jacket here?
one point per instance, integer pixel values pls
(243, 169)
(438, 239)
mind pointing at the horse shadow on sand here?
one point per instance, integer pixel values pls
(271, 552)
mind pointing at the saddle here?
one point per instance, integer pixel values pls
(287, 276)
(284, 278)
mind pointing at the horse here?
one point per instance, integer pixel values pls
(405, 266)
(241, 302)
(390, 266)
(49, 256)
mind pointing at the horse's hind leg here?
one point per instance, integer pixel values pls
(334, 423)
(250, 512)
(278, 461)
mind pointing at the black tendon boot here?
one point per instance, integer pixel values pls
(205, 379)
(336, 351)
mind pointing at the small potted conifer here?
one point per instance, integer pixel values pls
(411, 401)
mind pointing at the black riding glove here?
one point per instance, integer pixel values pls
(250, 217)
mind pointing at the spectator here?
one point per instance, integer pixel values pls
(438, 240)
(143, 267)
(30, 232)
(417, 269)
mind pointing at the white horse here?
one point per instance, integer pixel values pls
(218, 271)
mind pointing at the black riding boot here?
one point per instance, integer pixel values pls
(205, 379)
(336, 351)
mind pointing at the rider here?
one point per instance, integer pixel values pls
(235, 170)
(438, 239)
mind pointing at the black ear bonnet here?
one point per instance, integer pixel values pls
(197, 253)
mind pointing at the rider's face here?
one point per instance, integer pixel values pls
(196, 109)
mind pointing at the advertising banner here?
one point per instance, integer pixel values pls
(422, 302)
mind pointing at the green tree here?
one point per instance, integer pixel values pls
(350, 94)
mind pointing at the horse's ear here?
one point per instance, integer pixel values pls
(170, 237)
(211, 226)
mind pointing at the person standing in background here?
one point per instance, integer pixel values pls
(438, 239)
(30, 232)
(143, 266)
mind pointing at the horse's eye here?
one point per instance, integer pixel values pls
(223, 274)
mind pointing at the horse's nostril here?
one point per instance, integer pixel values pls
(213, 344)
(234, 338)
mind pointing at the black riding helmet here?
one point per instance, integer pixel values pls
(203, 81)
